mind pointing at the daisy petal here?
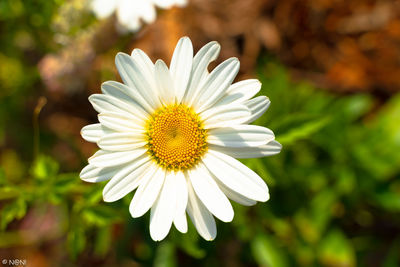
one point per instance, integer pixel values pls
(200, 216)
(180, 222)
(164, 82)
(132, 75)
(202, 59)
(106, 103)
(236, 176)
(216, 84)
(181, 3)
(235, 196)
(147, 192)
(165, 4)
(181, 66)
(240, 92)
(257, 107)
(163, 211)
(272, 148)
(240, 136)
(144, 62)
(122, 141)
(120, 122)
(146, 66)
(126, 180)
(225, 116)
(104, 158)
(103, 8)
(148, 11)
(209, 193)
(126, 94)
(181, 203)
(93, 132)
(93, 174)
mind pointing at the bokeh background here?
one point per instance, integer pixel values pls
(332, 71)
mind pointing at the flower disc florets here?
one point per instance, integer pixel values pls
(176, 137)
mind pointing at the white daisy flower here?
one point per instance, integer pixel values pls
(130, 13)
(174, 133)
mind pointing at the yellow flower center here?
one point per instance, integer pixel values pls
(176, 138)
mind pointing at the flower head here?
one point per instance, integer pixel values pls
(130, 13)
(174, 133)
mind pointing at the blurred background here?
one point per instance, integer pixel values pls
(332, 71)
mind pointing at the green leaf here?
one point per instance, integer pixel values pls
(2, 176)
(44, 167)
(103, 241)
(12, 238)
(8, 192)
(165, 255)
(336, 250)
(266, 251)
(99, 215)
(302, 130)
(76, 241)
(14, 210)
(64, 182)
(93, 194)
(189, 242)
(393, 258)
(389, 200)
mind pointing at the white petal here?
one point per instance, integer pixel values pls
(104, 158)
(138, 79)
(240, 92)
(103, 8)
(200, 216)
(145, 64)
(165, 83)
(181, 66)
(257, 107)
(240, 136)
(272, 148)
(93, 174)
(147, 192)
(202, 59)
(180, 222)
(181, 3)
(236, 176)
(235, 196)
(132, 24)
(107, 103)
(216, 84)
(209, 193)
(225, 116)
(163, 211)
(164, 3)
(148, 11)
(143, 60)
(126, 180)
(93, 132)
(126, 94)
(122, 141)
(120, 122)
(181, 202)
(130, 12)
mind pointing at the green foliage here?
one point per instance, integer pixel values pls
(11, 211)
(44, 167)
(165, 255)
(267, 253)
(336, 250)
